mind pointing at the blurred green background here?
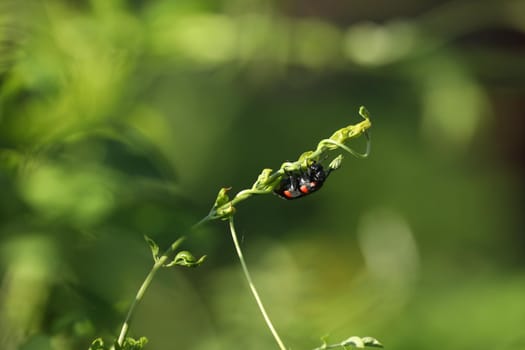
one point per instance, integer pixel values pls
(124, 118)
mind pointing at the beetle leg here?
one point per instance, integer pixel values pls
(293, 182)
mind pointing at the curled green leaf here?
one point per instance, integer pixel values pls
(153, 247)
(223, 207)
(354, 341)
(222, 197)
(372, 342)
(264, 182)
(186, 259)
(344, 134)
(97, 344)
(363, 112)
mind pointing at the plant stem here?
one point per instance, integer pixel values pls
(138, 298)
(202, 222)
(147, 281)
(149, 277)
(252, 286)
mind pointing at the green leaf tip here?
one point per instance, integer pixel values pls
(222, 197)
(153, 247)
(97, 344)
(223, 207)
(265, 183)
(363, 112)
(349, 132)
(338, 138)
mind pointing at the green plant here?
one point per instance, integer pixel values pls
(224, 209)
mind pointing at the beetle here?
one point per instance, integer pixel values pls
(298, 184)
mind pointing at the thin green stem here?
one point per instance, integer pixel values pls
(149, 277)
(202, 222)
(252, 287)
(138, 298)
(326, 346)
(145, 284)
(349, 150)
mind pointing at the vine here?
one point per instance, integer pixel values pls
(224, 208)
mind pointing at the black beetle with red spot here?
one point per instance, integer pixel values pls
(298, 184)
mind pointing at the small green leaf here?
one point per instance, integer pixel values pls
(153, 247)
(373, 342)
(186, 259)
(222, 208)
(262, 180)
(97, 344)
(222, 197)
(351, 131)
(336, 163)
(324, 339)
(354, 341)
